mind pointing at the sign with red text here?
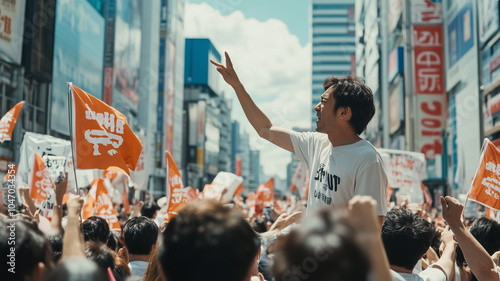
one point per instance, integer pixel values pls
(426, 11)
(405, 169)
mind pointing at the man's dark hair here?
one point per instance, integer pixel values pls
(30, 248)
(323, 248)
(353, 93)
(95, 229)
(218, 238)
(259, 225)
(140, 235)
(56, 242)
(149, 209)
(487, 233)
(100, 254)
(406, 237)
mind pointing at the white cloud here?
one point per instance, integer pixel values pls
(271, 63)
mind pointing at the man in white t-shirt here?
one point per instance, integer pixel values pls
(341, 164)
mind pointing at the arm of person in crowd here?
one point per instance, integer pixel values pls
(137, 209)
(362, 214)
(25, 193)
(479, 261)
(73, 239)
(448, 257)
(257, 118)
(282, 222)
(56, 222)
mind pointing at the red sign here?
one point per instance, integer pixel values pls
(429, 59)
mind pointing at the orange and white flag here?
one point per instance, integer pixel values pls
(104, 206)
(265, 192)
(176, 194)
(88, 209)
(40, 182)
(427, 196)
(299, 178)
(485, 186)
(102, 138)
(8, 122)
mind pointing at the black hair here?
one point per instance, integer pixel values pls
(406, 237)
(149, 209)
(353, 93)
(218, 238)
(259, 226)
(140, 234)
(95, 229)
(100, 254)
(56, 242)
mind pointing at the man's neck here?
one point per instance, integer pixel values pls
(400, 269)
(139, 258)
(339, 139)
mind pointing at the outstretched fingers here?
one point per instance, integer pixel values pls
(229, 63)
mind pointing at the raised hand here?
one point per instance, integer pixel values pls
(452, 210)
(227, 71)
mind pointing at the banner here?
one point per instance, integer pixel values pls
(265, 192)
(299, 178)
(40, 182)
(140, 175)
(101, 136)
(485, 186)
(176, 194)
(56, 165)
(405, 170)
(8, 121)
(223, 180)
(12, 29)
(104, 206)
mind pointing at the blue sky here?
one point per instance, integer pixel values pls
(294, 13)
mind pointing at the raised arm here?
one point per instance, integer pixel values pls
(73, 246)
(260, 122)
(479, 261)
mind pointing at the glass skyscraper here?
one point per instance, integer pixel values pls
(333, 37)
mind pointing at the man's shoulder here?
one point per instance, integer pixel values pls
(310, 136)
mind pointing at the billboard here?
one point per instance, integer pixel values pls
(489, 19)
(78, 57)
(127, 56)
(11, 30)
(426, 11)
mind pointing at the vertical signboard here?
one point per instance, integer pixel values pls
(109, 52)
(78, 57)
(489, 19)
(429, 90)
(170, 101)
(161, 83)
(427, 11)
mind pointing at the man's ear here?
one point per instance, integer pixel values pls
(345, 112)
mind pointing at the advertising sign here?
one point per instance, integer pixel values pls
(489, 19)
(426, 11)
(11, 30)
(78, 57)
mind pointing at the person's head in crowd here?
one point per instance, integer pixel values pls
(259, 225)
(218, 238)
(100, 254)
(56, 243)
(323, 248)
(95, 229)
(140, 235)
(113, 242)
(487, 233)
(150, 209)
(406, 237)
(76, 269)
(32, 255)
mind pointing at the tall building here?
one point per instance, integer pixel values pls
(207, 113)
(333, 47)
(254, 177)
(235, 148)
(225, 142)
(245, 157)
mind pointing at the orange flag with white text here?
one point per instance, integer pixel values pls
(8, 122)
(176, 194)
(102, 138)
(88, 209)
(265, 192)
(485, 186)
(104, 206)
(40, 182)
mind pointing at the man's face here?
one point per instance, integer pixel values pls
(325, 112)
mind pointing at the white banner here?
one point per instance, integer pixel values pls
(12, 29)
(140, 176)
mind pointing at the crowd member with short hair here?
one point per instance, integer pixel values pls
(100, 254)
(218, 238)
(150, 210)
(95, 229)
(407, 237)
(140, 235)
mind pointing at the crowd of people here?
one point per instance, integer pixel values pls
(343, 231)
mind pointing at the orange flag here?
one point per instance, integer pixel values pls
(427, 196)
(176, 194)
(89, 206)
(8, 122)
(40, 184)
(389, 192)
(191, 193)
(485, 186)
(299, 178)
(265, 192)
(104, 206)
(102, 138)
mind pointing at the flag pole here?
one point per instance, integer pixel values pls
(71, 135)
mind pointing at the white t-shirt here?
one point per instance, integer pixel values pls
(339, 173)
(138, 268)
(430, 274)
